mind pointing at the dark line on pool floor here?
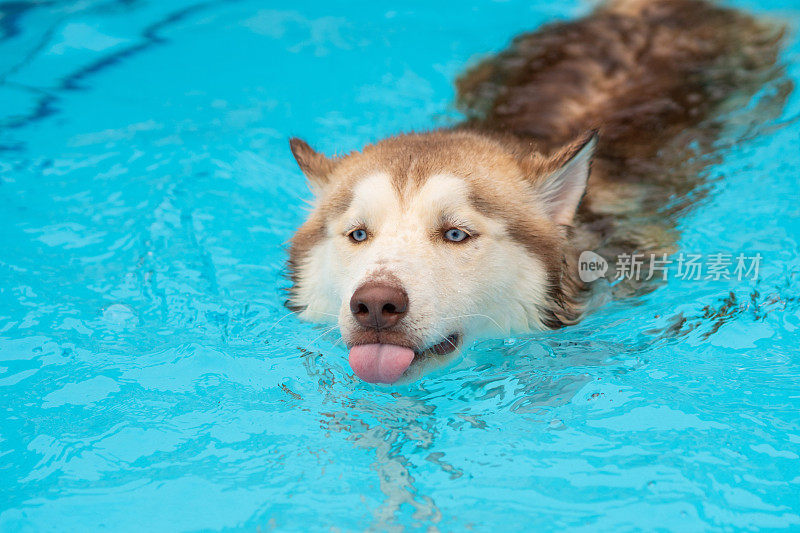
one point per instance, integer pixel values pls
(47, 103)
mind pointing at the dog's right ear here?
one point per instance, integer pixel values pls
(563, 187)
(316, 166)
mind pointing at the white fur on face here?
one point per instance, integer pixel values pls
(488, 284)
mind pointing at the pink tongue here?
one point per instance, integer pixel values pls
(380, 363)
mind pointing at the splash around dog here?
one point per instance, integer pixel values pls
(420, 243)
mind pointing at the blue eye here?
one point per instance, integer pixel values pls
(455, 235)
(359, 235)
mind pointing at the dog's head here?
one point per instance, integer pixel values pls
(422, 241)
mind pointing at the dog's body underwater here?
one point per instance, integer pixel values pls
(421, 242)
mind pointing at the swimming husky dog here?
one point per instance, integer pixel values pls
(424, 241)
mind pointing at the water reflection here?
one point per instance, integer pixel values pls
(402, 427)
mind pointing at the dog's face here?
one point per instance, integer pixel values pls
(422, 242)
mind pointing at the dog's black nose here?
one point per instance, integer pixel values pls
(378, 305)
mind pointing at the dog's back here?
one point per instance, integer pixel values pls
(641, 70)
(647, 74)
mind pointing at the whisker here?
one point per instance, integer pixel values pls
(294, 313)
(451, 342)
(501, 328)
(447, 338)
(327, 314)
(320, 336)
(281, 318)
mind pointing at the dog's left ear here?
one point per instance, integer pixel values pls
(562, 188)
(316, 166)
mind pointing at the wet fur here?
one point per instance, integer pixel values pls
(651, 75)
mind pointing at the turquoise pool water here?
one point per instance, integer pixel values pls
(150, 378)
